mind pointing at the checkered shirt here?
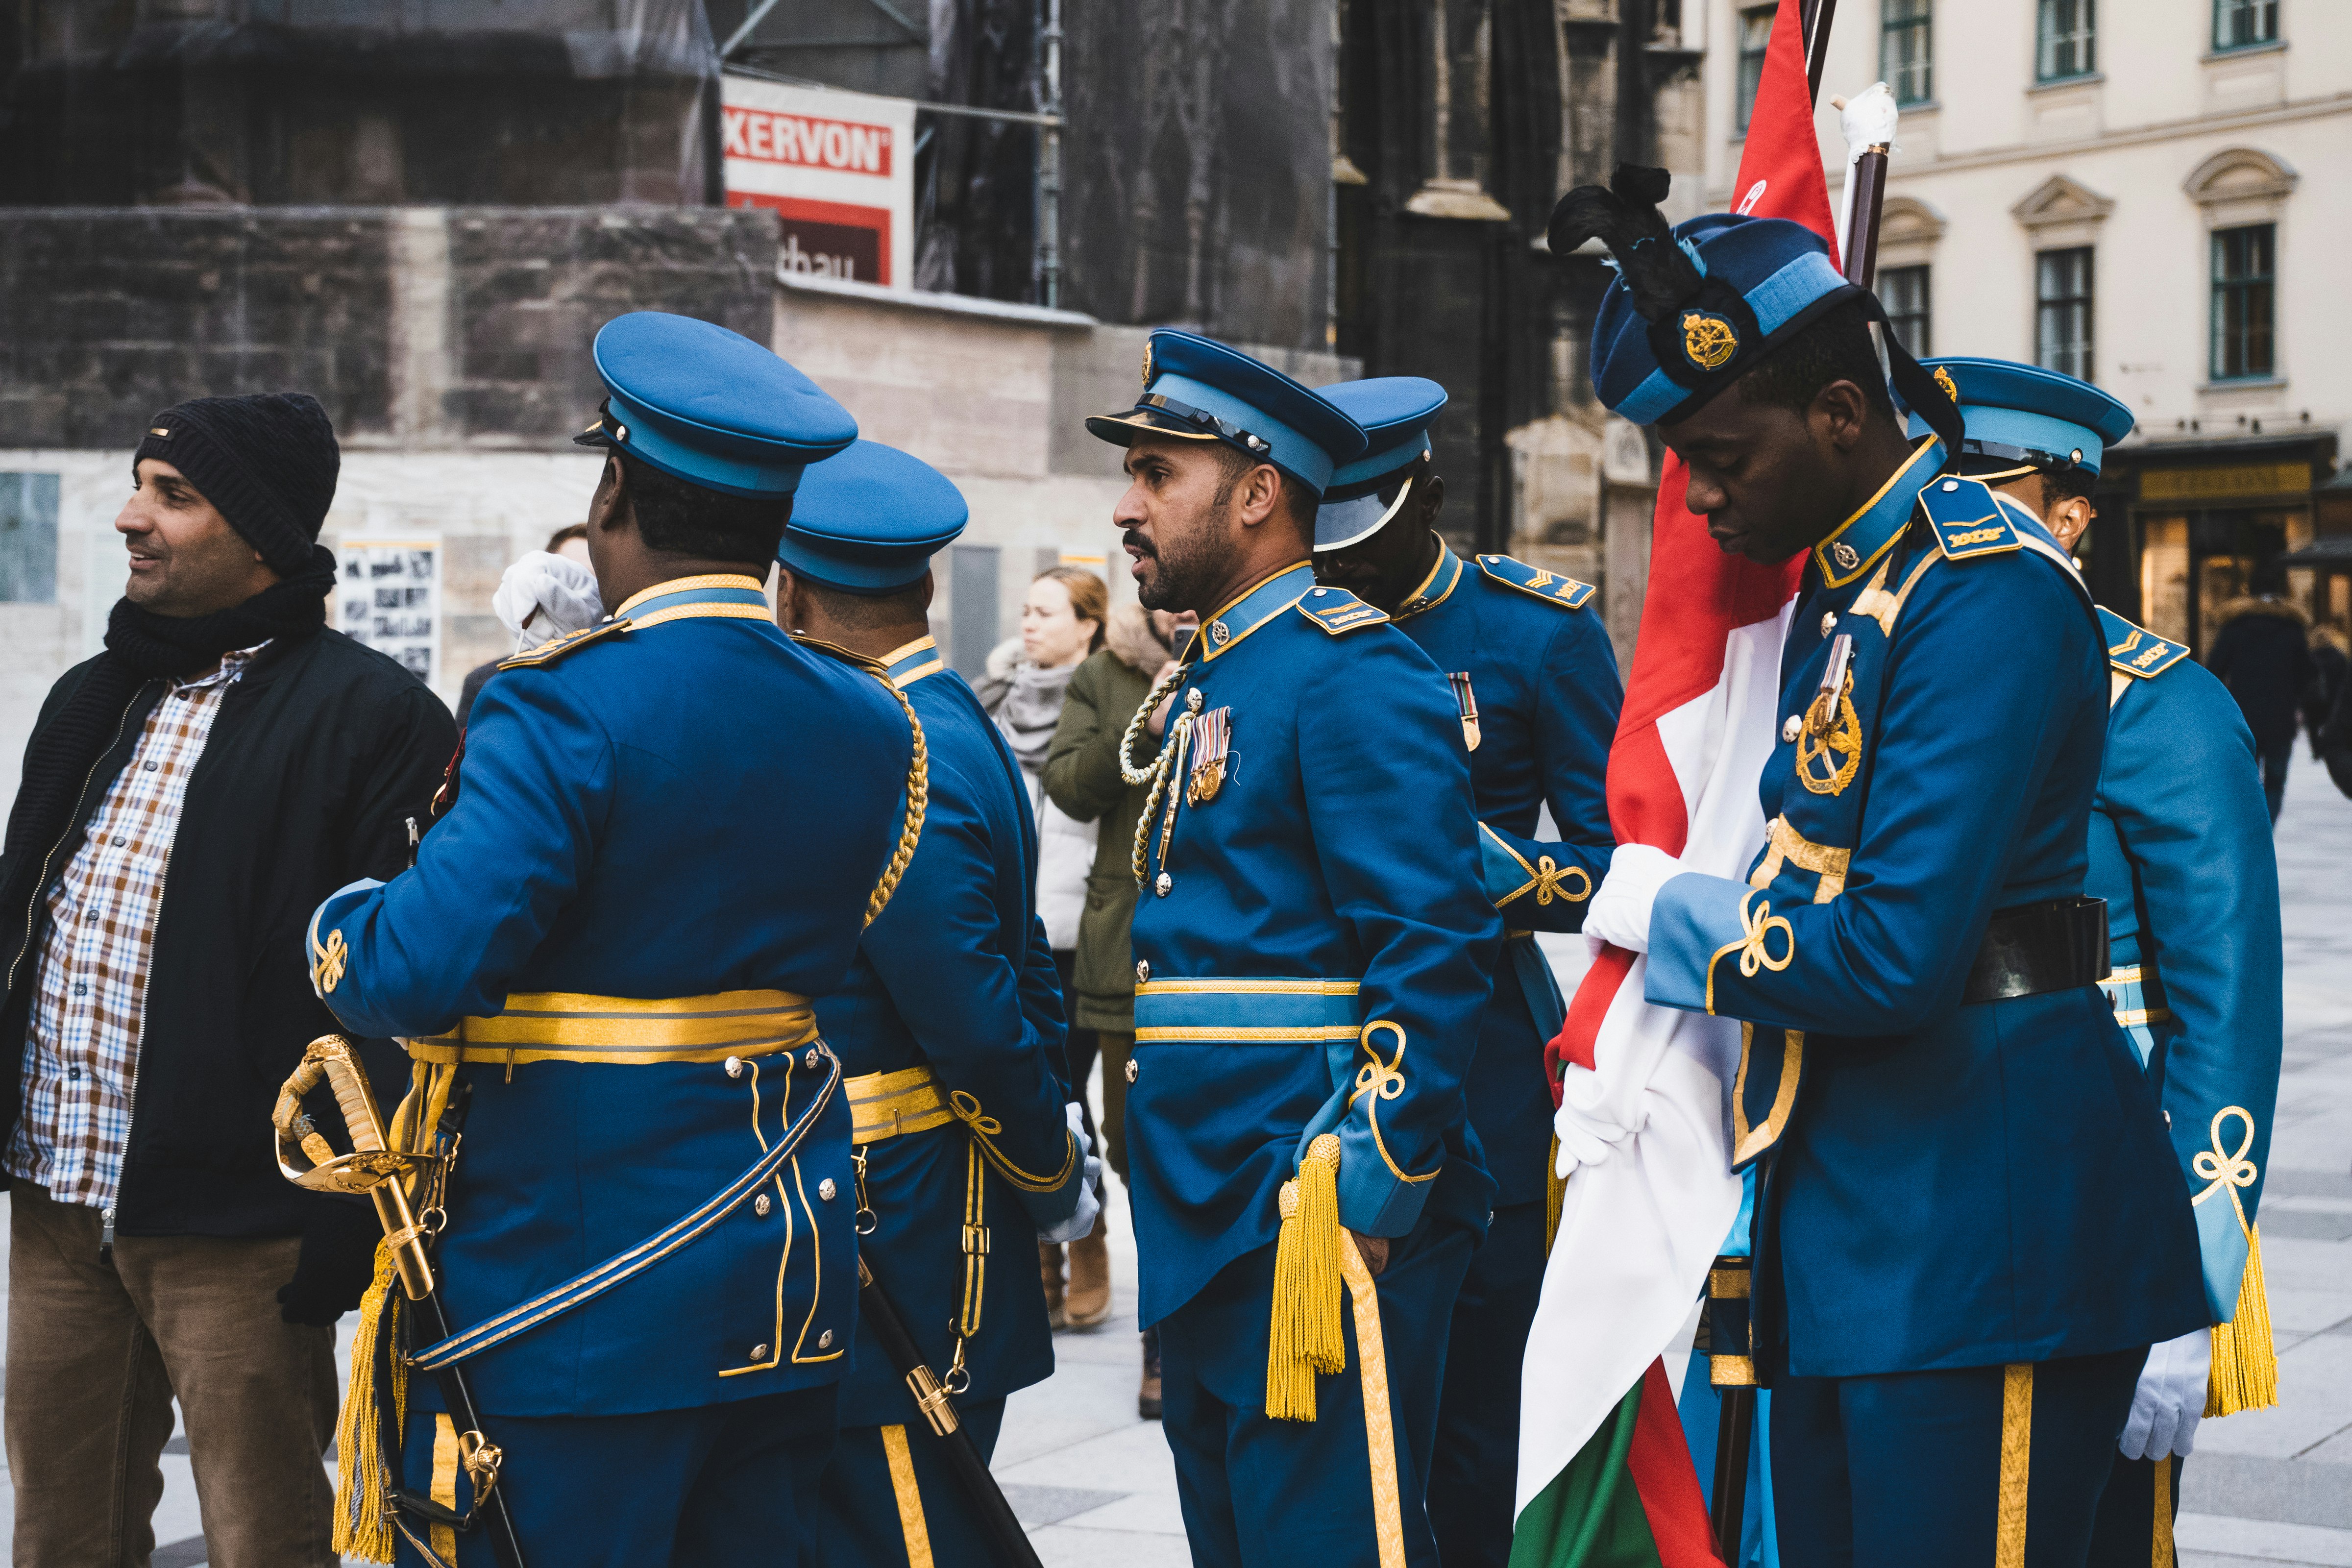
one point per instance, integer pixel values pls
(81, 1052)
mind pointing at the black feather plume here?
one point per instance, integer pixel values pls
(1624, 215)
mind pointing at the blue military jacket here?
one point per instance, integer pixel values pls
(2180, 848)
(955, 977)
(1313, 943)
(1951, 1185)
(689, 806)
(1528, 656)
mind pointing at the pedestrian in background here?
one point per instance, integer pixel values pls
(1083, 778)
(2263, 658)
(2329, 666)
(1060, 623)
(225, 735)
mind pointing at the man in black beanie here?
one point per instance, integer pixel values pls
(188, 796)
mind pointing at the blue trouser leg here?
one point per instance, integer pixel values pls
(1921, 1467)
(2135, 1523)
(1259, 1493)
(882, 1508)
(708, 1488)
(1476, 1463)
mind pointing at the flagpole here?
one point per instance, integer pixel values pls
(1817, 14)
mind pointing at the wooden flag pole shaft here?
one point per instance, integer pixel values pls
(1817, 16)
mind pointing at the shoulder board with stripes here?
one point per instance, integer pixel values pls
(568, 643)
(1549, 586)
(1968, 518)
(1338, 611)
(2135, 651)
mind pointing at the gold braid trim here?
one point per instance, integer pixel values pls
(919, 771)
(918, 799)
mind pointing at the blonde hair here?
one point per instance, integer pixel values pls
(1089, 598)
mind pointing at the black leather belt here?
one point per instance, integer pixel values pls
(2055, 945)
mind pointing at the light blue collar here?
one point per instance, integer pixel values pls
(1435, 588)
(1858, 543)
(1256, 606)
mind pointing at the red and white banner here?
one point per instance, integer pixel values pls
(1639, 1230)
(838, 167)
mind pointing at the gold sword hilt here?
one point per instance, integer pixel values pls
(307, 1159)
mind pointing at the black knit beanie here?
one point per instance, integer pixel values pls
(268, 461)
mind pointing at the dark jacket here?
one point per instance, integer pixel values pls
(2264, 656)
(1082, 777)
(319, 754)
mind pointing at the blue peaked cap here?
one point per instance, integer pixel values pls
(710, 406)
(869, 520)
(1197, 389)
(2024, 414)
(1765, 279)
(1397, 413)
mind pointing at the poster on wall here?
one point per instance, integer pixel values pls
(390, 598)
(837, 167)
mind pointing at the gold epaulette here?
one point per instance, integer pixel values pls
(568, 643)
(1338, 611)
(1534, 581)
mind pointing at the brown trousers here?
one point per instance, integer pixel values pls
(96, 1353)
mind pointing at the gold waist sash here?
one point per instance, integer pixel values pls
(568, 1027)
(883, 1105)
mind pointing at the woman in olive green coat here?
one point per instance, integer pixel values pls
(1082, 777)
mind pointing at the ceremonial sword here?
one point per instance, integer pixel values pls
(381, 1172)
(1011, 1542)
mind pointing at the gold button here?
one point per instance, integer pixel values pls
(1791, 726)
(1163, 884)
(762, 1204)
(825, 1189)
(1142, 970)
(1829, 622)
(1131, 1070)
(824, 1340)
(810, 1060)
(734, 1067)
(759, 1352)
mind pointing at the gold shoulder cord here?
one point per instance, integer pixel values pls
(1157, 774)
(919, 796)
(918, 772)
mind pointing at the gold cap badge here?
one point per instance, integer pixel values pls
(1951, 388)
(1708, 340)
(1146, 362)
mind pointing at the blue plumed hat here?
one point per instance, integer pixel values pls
(1696, 306)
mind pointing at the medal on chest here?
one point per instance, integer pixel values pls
(1829, 741)
(1210, 743)
(1466, 702)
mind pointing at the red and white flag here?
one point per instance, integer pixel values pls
(1639, 1229)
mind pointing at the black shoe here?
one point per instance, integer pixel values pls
(1147, 1398)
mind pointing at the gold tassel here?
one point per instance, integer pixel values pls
(2245, 1361)
(1303, 1337)
(361, 1528)
(1555, 1195)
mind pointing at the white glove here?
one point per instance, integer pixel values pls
(2170, 1398)
(1081, 1222)
(1586, 1129)
(542, 596)
(1620, 910)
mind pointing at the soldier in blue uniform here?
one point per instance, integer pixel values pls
(672, 828)
(2180, 849)
(1535, 686)
(1968, 1227)
(949, 1027)
(1313, 945)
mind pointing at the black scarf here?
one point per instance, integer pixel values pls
(141, 646)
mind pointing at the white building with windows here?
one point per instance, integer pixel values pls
(2149, 194)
